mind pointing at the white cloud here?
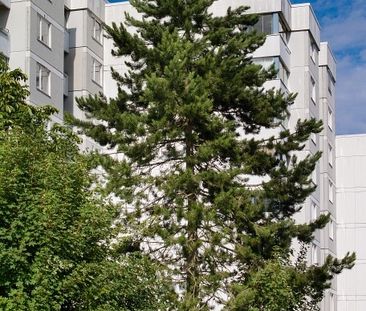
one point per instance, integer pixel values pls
(344, 26)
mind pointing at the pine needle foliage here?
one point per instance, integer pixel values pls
(212, 194)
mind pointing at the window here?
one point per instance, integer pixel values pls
(330, 83)
(330, 119)
(331, 229)
(330, 155)
(313, 91)
(284, 33)
(314, 255)
(313, 138)
(283, 73)
(43, 79)
(97, 72)
(265, 62)
(44, 31)
(330, 191)
(264, 24)
(97, 31)
(314, 211)
(314, 176)
(313, 51)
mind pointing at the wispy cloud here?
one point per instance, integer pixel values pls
(344, 26)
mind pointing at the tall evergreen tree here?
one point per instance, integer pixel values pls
(189, 119)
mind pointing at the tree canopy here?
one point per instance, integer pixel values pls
(213, 195)
(59, 244)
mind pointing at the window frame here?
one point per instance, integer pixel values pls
(314, 211)
(314, 176)
(330, 155)
(331, 229)
(260, 26)
(97, 34)
(330, 118)
(97, 64)
(314, 254)
(313, 90)
(313, 51)
(330, 191)
(40, 81)
(42, 22)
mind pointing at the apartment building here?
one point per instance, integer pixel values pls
(4, 32)
(351, 219)
(59, 44)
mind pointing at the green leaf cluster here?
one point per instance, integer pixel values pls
(59, 242)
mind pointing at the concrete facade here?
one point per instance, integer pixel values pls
(351, 219)
(59, 44)
(4, 32)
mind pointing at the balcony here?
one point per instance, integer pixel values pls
(66, 85)
(4, 42)
(274, 46)
(66, 40)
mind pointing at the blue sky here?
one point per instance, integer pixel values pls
(343, 24)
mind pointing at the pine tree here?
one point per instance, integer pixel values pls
(189, 119)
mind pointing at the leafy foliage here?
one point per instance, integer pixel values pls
(58, 248)
(213, 193)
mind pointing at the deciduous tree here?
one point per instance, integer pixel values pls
(58, 249)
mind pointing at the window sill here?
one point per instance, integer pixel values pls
(98, 41)
(43, 92)
(97, 83)
(44, 44)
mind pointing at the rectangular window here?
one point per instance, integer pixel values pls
(331, 229)
(264, 24)
(284, 33)
(43, 79)
(314, 211)
(330, 191)
(330, 119)
(313, 138)
(44, 31)
(330, 83)
(313, 91)
(97, 31)
(313, 51)
(97, 72)
(314, 176)
(314, 255)
(283, 73)
(330, 155)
